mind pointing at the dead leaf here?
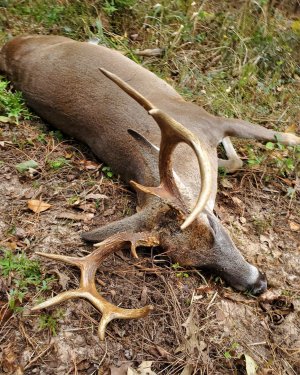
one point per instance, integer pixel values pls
(10, 361)
(295, 227)
(291, 129)
(237, 201)
(122, 370)
(188, 370)
(4, 119)
(76, 217)
(150, 52)
(92, 196)
(38, 206)
(226, 183)
(143, 369)
(3, 143)
(251, 365)
(89, 165)
(162, 352)
(63, 279)
(192, 339)
(144, 295)
(87, 207)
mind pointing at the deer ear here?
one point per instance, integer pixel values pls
(143, 142)
(132, 223)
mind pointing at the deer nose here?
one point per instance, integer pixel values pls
(260, 285)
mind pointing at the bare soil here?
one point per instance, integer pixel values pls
(198, 326)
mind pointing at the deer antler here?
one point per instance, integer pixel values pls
(87, 289)
(172, 133)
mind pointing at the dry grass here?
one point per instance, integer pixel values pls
(199, 325)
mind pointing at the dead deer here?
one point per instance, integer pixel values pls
(135, 122)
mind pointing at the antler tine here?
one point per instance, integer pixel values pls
(87, 289)
(172, 133)
(128, 89)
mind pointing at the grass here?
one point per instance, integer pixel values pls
(12, 104)
(234, 61)
(26, 276)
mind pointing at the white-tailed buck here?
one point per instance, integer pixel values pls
(135, 122)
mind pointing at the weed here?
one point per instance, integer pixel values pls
(42, 138)
(285, 158)
(12, 105)
(107, 172)
(49, 321)
(261, 225)
(254, 158)
(232, 351)
(181, 274)
(58, 163)
(57, 134)
(25, 274)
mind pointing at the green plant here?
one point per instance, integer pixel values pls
(107, 172)
(25, 274)
(12, 105)
(181, 274)
(57, 134)
(58, 163)
(253, 157)
(112, 6)
(49, 321)
(284, 157)
(231, 352)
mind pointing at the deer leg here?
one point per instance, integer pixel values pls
(87, 289)
(244, 129)
(234, 162)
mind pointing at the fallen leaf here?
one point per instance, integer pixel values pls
(291, 129)
(63, 279)
(38, 206)
(226, 183)
(122, 370)
(188, 370)
(162, 352)
(150, 52)
(76, 217)
(143, 369)
(251, 365)
(295, 227)
(144, 295)
(87, 207)
(4, 119)
(3, 143)
(192, 340)
(237, 201)
(10, 361)
(89, 165)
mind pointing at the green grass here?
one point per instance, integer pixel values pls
(58, 163)
(12, 104)
(26, 277)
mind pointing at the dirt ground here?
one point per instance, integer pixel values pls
(198, 326)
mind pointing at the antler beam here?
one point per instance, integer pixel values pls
(172, 133)
(88, 266)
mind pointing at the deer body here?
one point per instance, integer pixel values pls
(61, 81)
